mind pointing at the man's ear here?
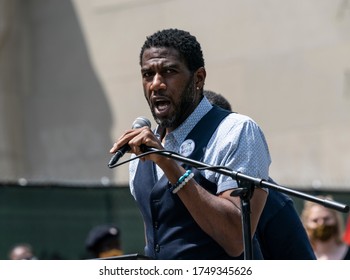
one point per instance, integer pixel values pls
(199, 76)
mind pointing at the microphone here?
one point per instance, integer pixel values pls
(139, 122)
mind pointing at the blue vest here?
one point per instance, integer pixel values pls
(171, 231)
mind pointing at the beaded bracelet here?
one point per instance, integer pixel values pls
(182, 181)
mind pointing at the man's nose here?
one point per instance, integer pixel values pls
(158, 83)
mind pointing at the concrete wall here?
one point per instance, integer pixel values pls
(284, 63)
(56, 119)
(11, 121)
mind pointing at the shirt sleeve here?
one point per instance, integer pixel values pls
(245, 150)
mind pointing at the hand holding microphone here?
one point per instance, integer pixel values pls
(138, 123)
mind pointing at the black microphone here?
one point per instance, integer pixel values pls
(139, 122)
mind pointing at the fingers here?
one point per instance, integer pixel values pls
(113, 149)
(123, 140)
(144, 137)
(135, 138)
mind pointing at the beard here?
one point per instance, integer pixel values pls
(181, 109)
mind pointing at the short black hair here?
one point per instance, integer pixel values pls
(180, 40)
(102, 235)
(217, 99)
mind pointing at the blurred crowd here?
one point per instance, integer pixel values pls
(102, 241)
(329, 237)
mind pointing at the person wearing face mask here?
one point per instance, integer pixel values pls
(324, 227)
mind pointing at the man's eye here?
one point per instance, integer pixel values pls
(146, 74)
(169, 71)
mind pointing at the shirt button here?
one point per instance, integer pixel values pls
(156, 225)
(157, 248)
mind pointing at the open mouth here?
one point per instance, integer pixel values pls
(162, 106)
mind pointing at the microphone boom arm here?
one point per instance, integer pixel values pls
(238, 176)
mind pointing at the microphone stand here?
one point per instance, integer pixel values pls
(246, 185)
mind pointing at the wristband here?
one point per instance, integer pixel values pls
(181, 182)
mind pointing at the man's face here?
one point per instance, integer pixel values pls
(169, 86)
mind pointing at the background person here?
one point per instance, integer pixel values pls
(217, 99)
(346, 236)
(23, 251)
(103, 241)
(324, 227)
(280, 232)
